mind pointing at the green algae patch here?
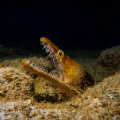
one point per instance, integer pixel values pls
(45, 91)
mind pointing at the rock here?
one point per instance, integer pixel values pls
(110, 57)
(15, 84)
(102, 101)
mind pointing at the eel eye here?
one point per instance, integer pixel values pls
(60, 53)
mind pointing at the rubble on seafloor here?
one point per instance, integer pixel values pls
(26, 96)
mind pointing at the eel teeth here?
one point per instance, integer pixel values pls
(49, 50)
(45, 47)
(28, 61)
(32, 65)
(42, 43)
(51, 54)
(50, 74)
(36, 67)
(39, 69)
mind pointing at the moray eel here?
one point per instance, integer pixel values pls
(73, 77)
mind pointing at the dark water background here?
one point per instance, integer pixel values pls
(73, 25)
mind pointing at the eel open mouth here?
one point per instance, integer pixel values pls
(52, 50)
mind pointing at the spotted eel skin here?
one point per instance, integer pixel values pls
(73, 77)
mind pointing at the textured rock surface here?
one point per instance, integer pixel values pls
(15, 84)
(110, 57)
(19, 88)
(102, 101)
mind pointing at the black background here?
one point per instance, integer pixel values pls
(69, 24)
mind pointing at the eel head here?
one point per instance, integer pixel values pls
(73, 76)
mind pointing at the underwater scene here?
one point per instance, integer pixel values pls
(33, 86)
(60, 60)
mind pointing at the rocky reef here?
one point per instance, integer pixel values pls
(24, 95)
